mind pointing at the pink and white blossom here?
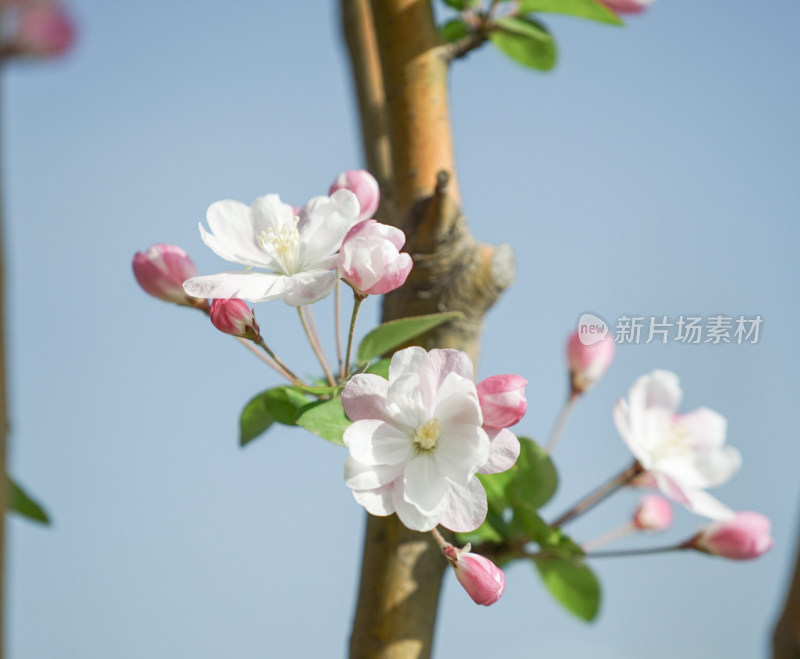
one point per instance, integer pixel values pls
(745, 536)
(161, 271)
(588, 363)
(363, 184)
(627, 6)
(480, 577)
(417, 441)
(370, 259)
(300, 253)
(234, 317)
(654, 513)
(682, 454)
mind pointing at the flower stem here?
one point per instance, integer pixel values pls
(638, 552)
(279, 366)
(315, 346)
(608, 537)
(561, 422)
(358, 298)
(439, 539)
(600, 494)
(337, 319)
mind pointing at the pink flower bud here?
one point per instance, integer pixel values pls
(588, 363)
(740, 538)
(370, 260)
(482, 579)
(502, 399)
(161, 271)
(626, 6)
(234, 317)
(654, 513)
(364, 186)
(43, 30)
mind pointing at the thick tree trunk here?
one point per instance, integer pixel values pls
(786, 635)
(400, 73)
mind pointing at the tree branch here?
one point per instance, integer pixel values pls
(786, 635)
(402, 569)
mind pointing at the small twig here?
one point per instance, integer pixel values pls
(315, 346)
(600, 494)
(358, 298)
(560, 422)
(337, 319)
(638, 552)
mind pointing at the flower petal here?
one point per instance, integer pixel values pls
(457, 401)
(233, 235)
(364, 397)
(378, 501)
(706, 427)
(359, 476)
(410, 515)
(467, 507)
(424, 485)
(250, 286)
(702, 503)
(461, 451)
(504, 450)
(375, 442)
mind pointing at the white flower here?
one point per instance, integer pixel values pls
(683, 454)
(301, 252)
(416, 441)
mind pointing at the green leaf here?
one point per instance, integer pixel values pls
(325, 418)
(395, 333)
(526, 41)
(21, 503)
(278, 405)
(454, 30)
(573, 584)
(456, 4)
(590, 9)
(534, 476)
(380, 368)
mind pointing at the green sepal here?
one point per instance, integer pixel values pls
(392, 334)
(278, 405)
(454, 30)
(526, 41)
(20, 502)
(325, 418)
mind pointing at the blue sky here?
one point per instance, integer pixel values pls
(653, 173)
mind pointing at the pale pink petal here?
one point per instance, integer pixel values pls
(365, 398)
(702, 503)
(504, 450)
(466, 508)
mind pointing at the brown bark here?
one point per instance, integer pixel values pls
(400, 70)
(786, 635)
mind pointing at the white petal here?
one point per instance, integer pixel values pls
(269, 212)
(658, 390)
(702, 503)
(305, 287)
(424, 485)
(410, 514)
(233, 235)
(461, 451)
(504, 450)
(374, 442)
(621, 420)
(359, 476)
(378, 501)
(706, 428)
(716, 467)
(251, 286)
(467, 507)
(404, 402)
(364, 397)
(457, 401)
(407, 361)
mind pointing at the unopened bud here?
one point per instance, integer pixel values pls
(482, 579)
(43, 30)
(363, 184)
(627, 6)
(502, 399)
(654, 513)
(234, 317)
(161, 271)
(588, 363)
(744, 536)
